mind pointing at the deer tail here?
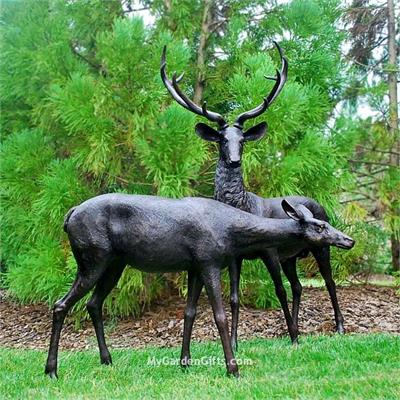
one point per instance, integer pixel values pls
(67, 217)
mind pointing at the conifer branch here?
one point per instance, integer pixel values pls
(96, 66)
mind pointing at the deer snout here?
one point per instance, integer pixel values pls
(234, 162)
(346, 242)
(233, 152)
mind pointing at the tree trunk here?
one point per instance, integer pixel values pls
(201, 52)
(170, 22)
(393, 117)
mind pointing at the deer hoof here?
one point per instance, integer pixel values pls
(234, 374)
(106, 360)
(340, 330)
(51, 374)
(185, 362)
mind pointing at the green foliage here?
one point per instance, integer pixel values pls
(370, 255)
(134, 292)
(389, 189)
(84, 112)
(41, 273)
(59, 189)
(397, 282)
(373, 184)
(256, 286)
(97, 118)
(170, 153)
(76, 107)
(25, 156)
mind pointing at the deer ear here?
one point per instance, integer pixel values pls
(207, 133)
(306, 211)
(256, 132)
(292, 212)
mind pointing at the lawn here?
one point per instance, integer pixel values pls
(321, 367)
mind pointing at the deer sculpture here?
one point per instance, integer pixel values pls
(230, 189)
(155, 234)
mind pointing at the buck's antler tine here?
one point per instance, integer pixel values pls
(189, 103)
(163, 56)
(283, 72)
(279, 48)
(181, 98)
(204, 108)
(212, 116)
(180, 77)
(274, 92)
(280, 80)
(167, 82)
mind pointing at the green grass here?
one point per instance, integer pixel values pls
(320, 283)
(322, 367)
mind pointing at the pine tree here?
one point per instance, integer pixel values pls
(375, 160)
(85, 112)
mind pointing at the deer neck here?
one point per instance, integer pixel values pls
(253, 234)
(229, 187)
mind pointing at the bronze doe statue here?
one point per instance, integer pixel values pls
(155, 234)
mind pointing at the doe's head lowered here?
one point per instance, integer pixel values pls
(315, 231)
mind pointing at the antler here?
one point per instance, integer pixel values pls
(280, 81)
(182, 99)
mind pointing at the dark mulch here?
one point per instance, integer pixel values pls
(365, 309)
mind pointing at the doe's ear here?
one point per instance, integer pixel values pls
(207, 133)
(256, 132)
(292, 212)
(306, 211)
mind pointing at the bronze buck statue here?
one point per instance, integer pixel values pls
(230, 189)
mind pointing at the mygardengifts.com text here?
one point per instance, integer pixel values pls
(206, 360)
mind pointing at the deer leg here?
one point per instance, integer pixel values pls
(94, 306)
(234, 275)
(195, 284)
(322, 255)
(289, 268)
(212, 282)
(82, 285)
(271, 260)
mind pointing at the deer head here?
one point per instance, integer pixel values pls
(315, 231)
(229, 138)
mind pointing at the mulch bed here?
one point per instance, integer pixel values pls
(365, 309)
